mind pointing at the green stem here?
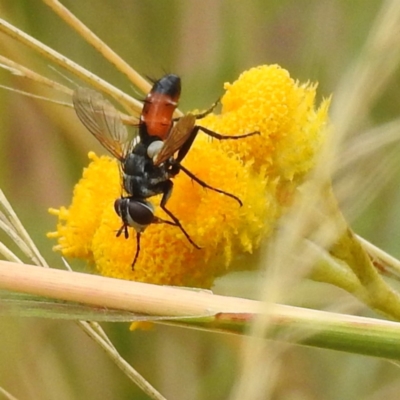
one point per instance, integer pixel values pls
(336, 272)
(377, 294)
(356, 335)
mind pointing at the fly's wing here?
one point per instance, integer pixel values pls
(102, 120)
(178, 136)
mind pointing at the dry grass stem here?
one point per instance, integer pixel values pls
(109, 54)
(125, 100)
(370, 72)
(99, 45)
(379, 176)
(97, 334)
(148, 299)
(27, 73)
(24, 72)
(368, 143)
(288, 324)
(10, 231)
(119, 294)
(8, 254)
(13, 227)
(7, 395)
(37, 97)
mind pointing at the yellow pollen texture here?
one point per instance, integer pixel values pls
(263, 171)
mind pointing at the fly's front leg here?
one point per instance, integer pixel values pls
(209, 111)
(137, 250)
(203, 114)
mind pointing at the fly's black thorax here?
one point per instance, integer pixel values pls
(141, 178)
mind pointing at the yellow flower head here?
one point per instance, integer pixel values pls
(261, 170)
(268, 100)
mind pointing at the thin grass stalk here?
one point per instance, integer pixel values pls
(370, 72)
(23, 72)
(125, 100)
(93, 330)
(29, 247)
(108, 53)
(37, 97)
(7, 395)
(18, 69)
(12, 226)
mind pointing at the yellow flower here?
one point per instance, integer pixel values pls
(268, 100)
(263, 171)
(77, 224)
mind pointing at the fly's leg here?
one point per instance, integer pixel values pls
(167, 194)
(204, 113)
(205, 185)
(137, 250)
(218, 136)
(124, 228)
(188, 144)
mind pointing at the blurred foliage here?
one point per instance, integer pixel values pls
(43, 150)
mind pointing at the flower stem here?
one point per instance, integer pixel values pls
(375, 292)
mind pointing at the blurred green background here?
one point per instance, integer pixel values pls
(44, 148)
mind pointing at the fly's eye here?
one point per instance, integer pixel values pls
(154, 148)
(141, 212)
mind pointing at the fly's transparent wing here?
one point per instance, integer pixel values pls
(178, 136)
(102, 120)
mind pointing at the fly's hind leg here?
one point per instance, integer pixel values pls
(168, 185)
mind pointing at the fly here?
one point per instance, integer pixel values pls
(152, 157)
